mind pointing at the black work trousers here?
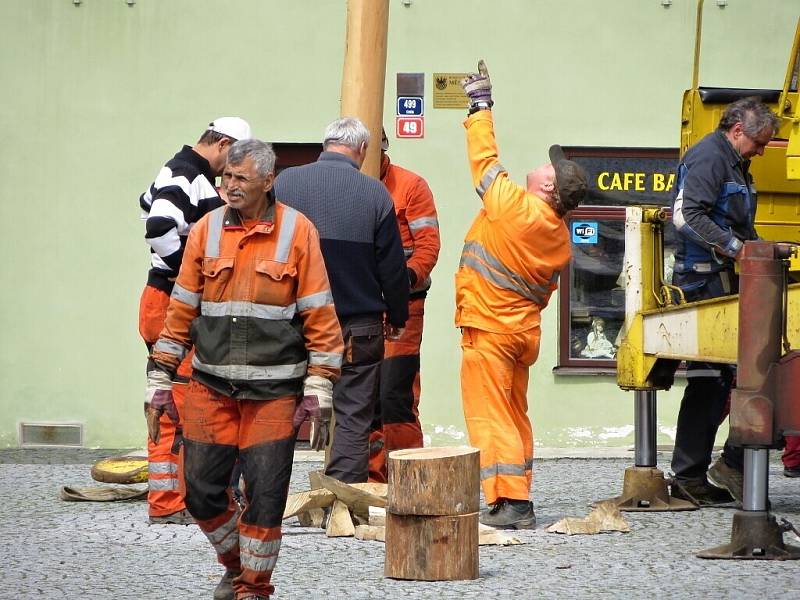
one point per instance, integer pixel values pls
(705, 398)
(703, 408)
(355, 397)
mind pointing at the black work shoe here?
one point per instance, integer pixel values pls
(721, 475)
(791, 471)
(700, 493)
(509, 514)
(182, 517)
(224, 589)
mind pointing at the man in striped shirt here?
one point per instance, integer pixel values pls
(181, 194)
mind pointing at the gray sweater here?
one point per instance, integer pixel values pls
(360, 240)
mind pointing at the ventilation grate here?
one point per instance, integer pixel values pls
(51, 434)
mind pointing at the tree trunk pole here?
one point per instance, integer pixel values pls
(364, 73)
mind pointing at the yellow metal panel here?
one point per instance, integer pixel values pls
(717, 322)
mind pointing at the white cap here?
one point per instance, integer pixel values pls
(233, 127)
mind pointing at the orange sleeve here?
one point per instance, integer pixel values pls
(184, 305)
(423, 223)
(321, 329)
(499, 194)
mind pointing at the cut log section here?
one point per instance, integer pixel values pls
(353, 495)
(434, 481)
(121, 469)
(370, 533)
(340, 523)
(313, 518)
(431, 548)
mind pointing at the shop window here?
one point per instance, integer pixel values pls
(592, 297)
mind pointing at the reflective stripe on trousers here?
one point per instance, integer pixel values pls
(163, 472)
(494, 384)
(218, 430)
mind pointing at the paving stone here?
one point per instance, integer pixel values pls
(55, 549)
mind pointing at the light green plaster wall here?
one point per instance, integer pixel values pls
(97, 96)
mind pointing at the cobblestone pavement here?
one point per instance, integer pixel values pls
(56, 549)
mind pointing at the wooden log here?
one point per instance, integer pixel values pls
(434, 481)
(431, 548)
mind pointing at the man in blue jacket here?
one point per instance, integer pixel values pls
(714, 214)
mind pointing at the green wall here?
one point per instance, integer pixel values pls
(97, 96)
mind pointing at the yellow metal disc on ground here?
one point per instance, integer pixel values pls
(121, 469)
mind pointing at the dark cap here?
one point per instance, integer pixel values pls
(570, 179)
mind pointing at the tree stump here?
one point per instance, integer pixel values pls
(432, 514)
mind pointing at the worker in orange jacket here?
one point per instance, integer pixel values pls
(253, 298)
(396, 424)
(512, 257)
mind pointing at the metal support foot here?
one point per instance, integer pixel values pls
(644, 487)
(755, 535)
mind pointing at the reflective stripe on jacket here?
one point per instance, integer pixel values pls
(417, 220)
(515, 248)
(256, 303)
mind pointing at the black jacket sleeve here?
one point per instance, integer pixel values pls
(392, 267)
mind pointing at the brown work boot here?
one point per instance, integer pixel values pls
(509, 514)
(224, 589)
(182, 517)
(700, 493)
(721, 475)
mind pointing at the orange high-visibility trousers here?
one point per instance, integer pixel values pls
(261, 434)
(494, 385)
(163, 497)
(396, 425)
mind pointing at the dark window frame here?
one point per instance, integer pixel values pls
(612, 209)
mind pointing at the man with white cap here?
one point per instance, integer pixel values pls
(181, 194)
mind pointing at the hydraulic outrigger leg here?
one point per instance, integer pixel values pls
(761, 405)
(644, 487)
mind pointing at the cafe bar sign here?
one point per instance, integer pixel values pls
(627, 176)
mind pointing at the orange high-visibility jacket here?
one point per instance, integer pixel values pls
(417, 220)
(256, 304)
(515, 248)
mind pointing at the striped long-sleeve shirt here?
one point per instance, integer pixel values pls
(181, 194)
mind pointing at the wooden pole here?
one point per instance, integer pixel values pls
(364, 73)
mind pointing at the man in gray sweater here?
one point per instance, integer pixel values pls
(363, 254)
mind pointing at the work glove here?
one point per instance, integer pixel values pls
(317, 406)
(478, 88)
(158, 400)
